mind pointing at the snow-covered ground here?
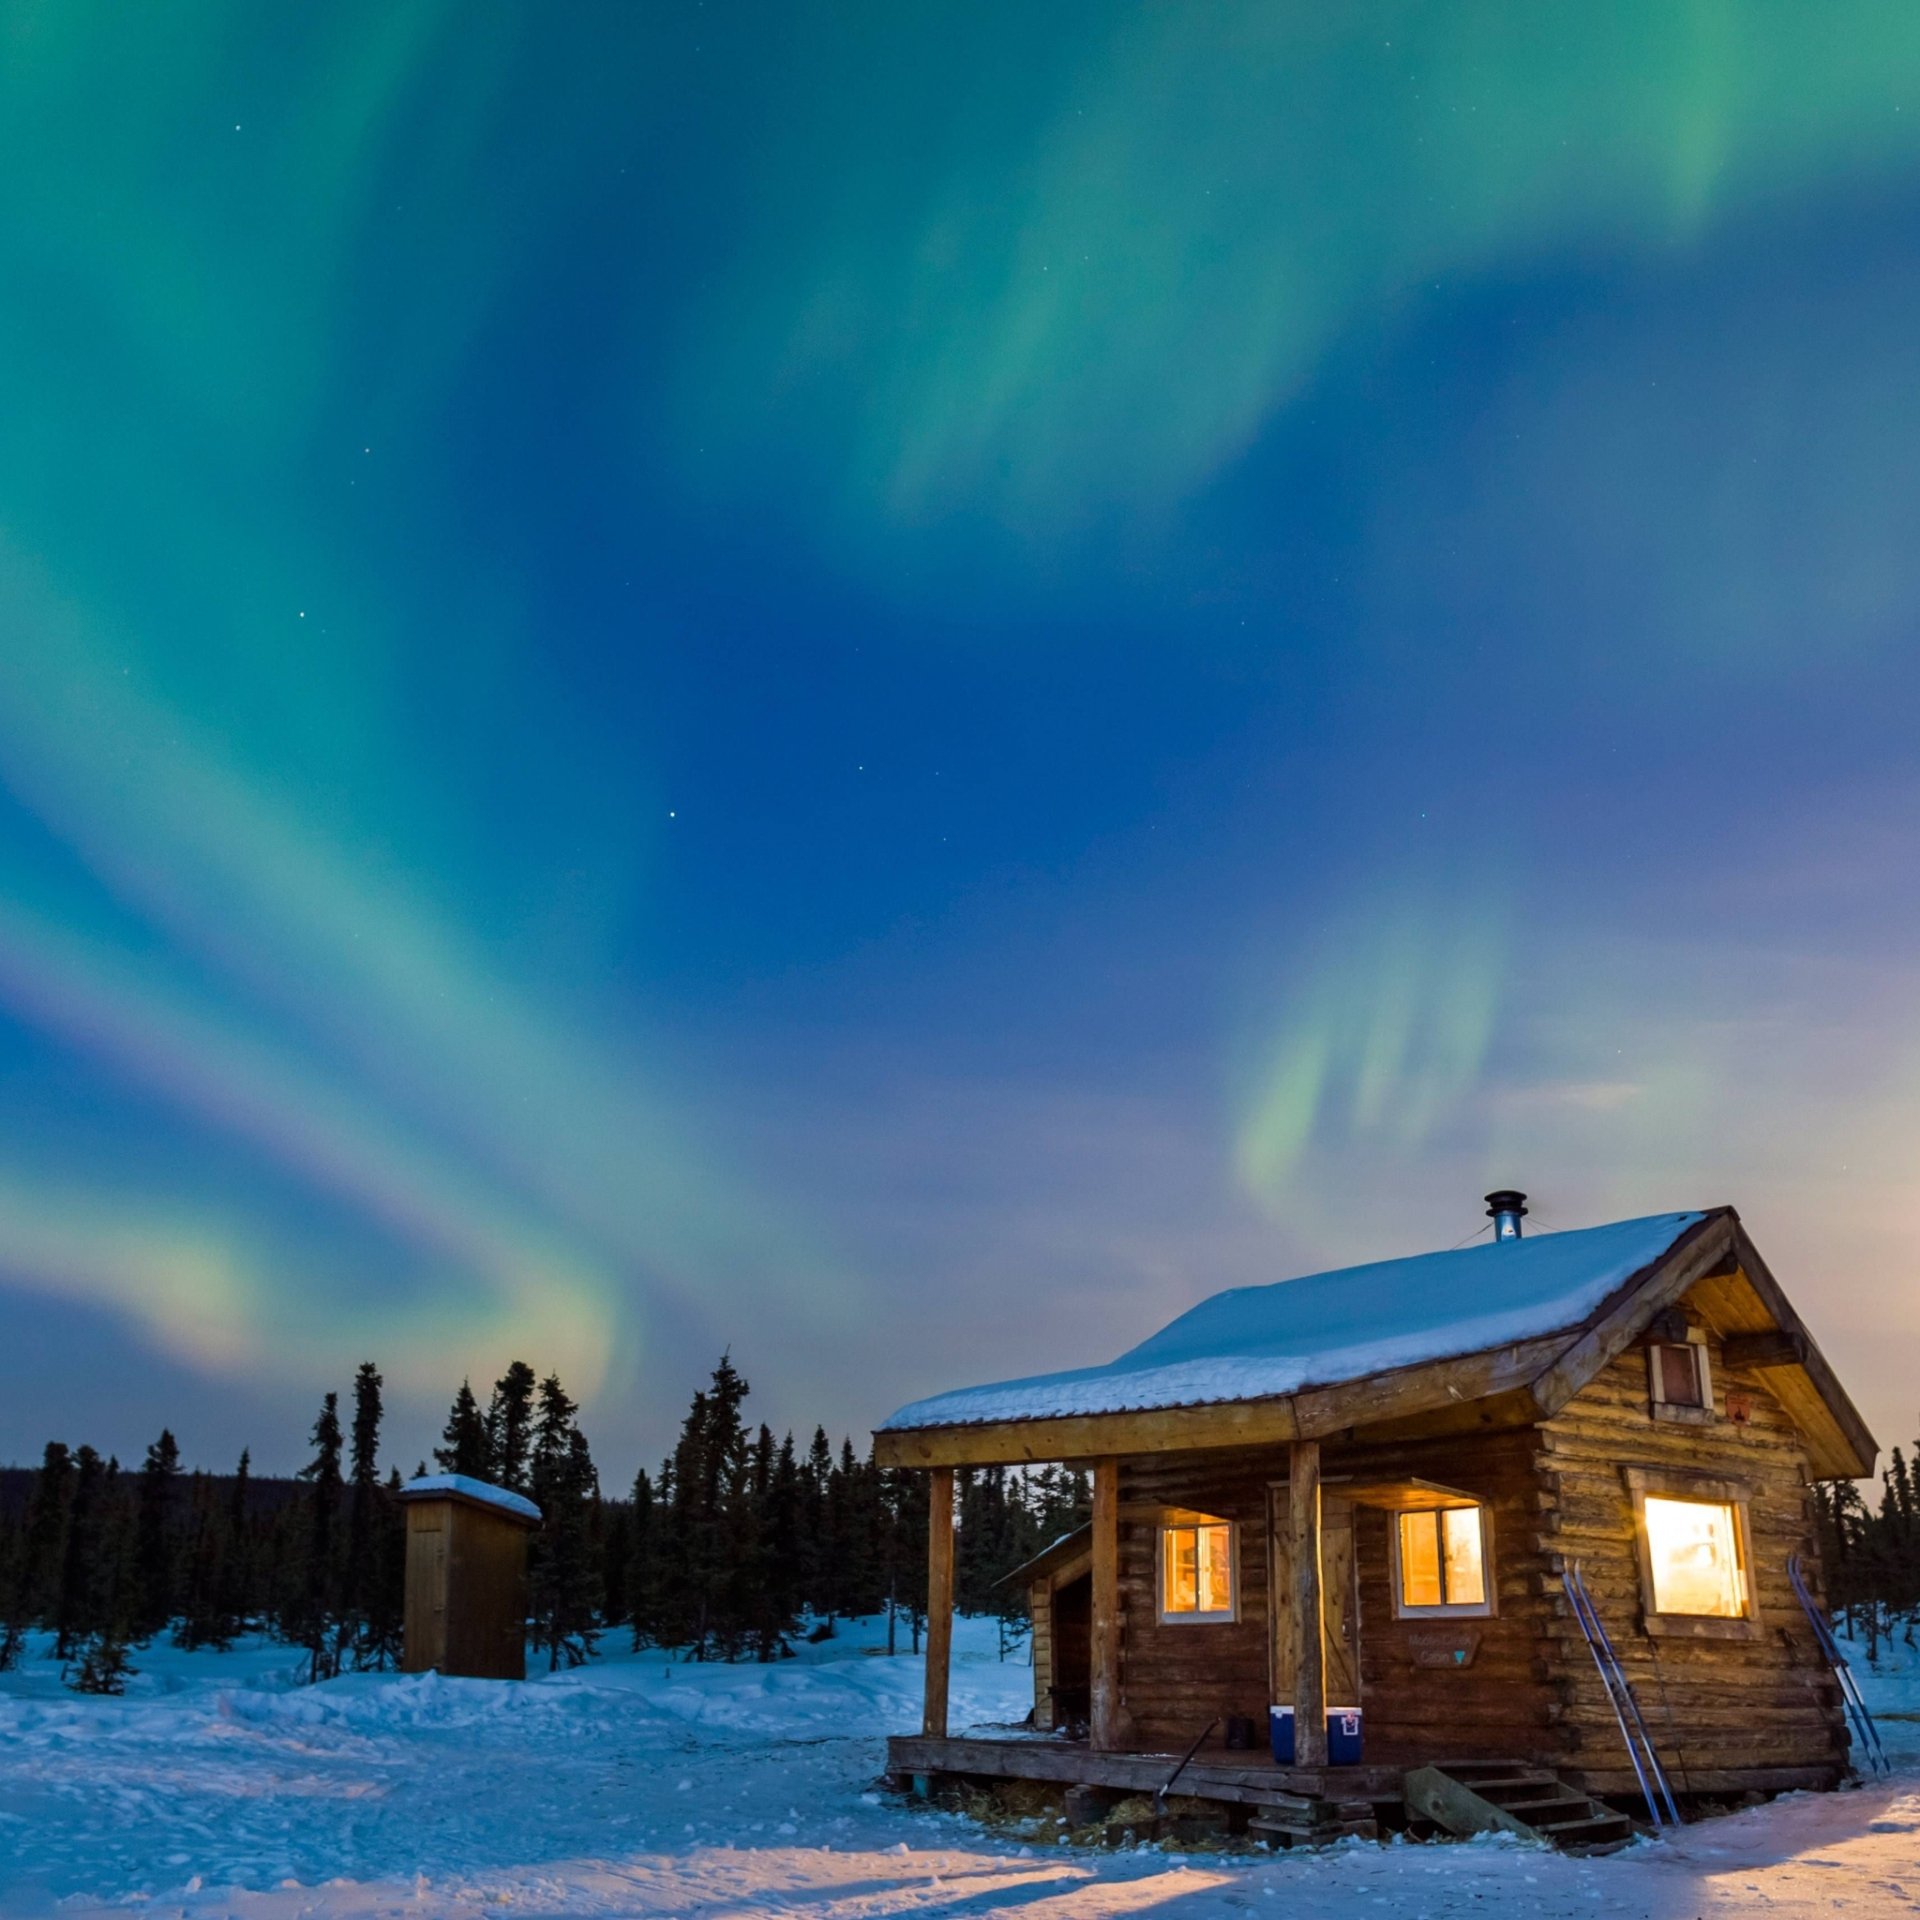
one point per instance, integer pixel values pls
(218, 1786)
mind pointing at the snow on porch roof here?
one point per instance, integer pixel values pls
(1251, 1343)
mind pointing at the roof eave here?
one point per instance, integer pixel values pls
(1311, 1413)
(1856, 1452)
(1717, 1244)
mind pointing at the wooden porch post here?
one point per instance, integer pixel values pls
(1309, 1618)
(1104, 1730)
(933, 1722)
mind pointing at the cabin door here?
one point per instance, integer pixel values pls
(1341, 1598)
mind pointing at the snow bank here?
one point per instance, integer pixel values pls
(217, 1772)
(1252, 1342)
(643, 1787)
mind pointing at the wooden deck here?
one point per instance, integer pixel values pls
(1243, 1779)
(1253, 1780)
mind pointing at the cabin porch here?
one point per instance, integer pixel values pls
(1252, 1778)
(1296, 1670)
(1315, 1556)
(1249, 1778)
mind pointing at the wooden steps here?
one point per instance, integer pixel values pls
(1508, 1796)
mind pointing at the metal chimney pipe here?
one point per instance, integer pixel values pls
(1506, 1209)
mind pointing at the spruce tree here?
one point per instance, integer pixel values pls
(465, 1447)
(114, 1587)
(816, 1540)
(239, 1596)
(40, 1554)
(317, 1620)
(204, 1620)
(736, 1622)
(74, 1600)
(642, 1578)
(725, 1499)
(13, 1546)
(903, 1496)
(390, 1561)
(699, 1519)
(510, 1428)
(157, 1598)
(372, 1625)
(778, 1600)
(852, 1518)
(679, 1615)
(563, 1577)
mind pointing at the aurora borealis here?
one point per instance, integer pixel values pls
(899, 686)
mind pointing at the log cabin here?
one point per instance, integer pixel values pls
(1370, 1491)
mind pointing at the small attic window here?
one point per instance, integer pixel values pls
(1678, 1384)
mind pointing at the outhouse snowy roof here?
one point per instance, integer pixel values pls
(1328, 1328)
(463, 1486)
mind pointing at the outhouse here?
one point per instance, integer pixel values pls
(466, 1607)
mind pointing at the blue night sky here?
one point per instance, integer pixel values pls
(898, 686)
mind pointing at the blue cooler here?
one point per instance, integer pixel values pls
(1343, 1736)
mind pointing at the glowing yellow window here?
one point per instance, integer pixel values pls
(1693, 1558)
(1196, 1571)
(1443, 1561)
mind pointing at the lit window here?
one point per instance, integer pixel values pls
(1196, 1571)
(1693, 1558)
(1443, 1560)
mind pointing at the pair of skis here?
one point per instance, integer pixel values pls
(1866, 1735)
(1647, 1769)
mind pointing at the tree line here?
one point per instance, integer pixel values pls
(1871, 1554)
(731, 1549)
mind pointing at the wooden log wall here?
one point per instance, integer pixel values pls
(1418, 1701)
(1040, 1607)
(1724, 1713)
(1110, 1727)
(1174, 1678)
(1422, 1702)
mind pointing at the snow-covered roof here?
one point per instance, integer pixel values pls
(1254, 1342)
(464, 1484)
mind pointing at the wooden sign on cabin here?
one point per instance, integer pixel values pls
(466, 1600)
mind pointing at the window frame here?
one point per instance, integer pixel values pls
(1464, 1610)
(1190, 1523)
(1684, 1411)
(1670, 1483)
